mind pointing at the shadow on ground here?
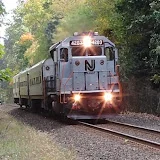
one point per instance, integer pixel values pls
(39, 122)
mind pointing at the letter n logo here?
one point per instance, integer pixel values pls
(91, 66)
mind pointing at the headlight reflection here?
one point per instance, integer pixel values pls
(108, 97)
(77, 97)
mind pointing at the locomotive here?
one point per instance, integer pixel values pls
(80, 80)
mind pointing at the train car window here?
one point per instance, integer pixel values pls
(34, 81)
(52, 54)
(64, 54)
(37, 80)
(109, 53)
(40, 79)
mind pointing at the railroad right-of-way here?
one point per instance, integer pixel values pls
(134, 133)
(84, 142)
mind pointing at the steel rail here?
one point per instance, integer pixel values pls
(134, 127)
(123, 135)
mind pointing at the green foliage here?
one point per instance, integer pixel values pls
(50, 21)
(50, 29)
(78, 20)
(2, 12)
(133, 25)
(41, 18)
(23, 142)
(1, 50)
(15, 50)
(91, 15)
(16, 43)
(38, 18)
(156, 79)
(141, 23)
(155, 35)
(5, 74)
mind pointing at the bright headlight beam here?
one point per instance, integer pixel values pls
(87, 41)
(77, 97)
(108, 96)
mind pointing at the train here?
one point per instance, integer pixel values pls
(79, 80)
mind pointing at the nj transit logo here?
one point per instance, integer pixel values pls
(89, 66)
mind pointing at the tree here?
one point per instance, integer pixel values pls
(49, 21)
(4, 73)
(94, 15)
(14, 46)
(2, 12)
(140, 19)
(155, 36)
(41, 18)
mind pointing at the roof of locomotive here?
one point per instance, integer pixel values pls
(66, 42)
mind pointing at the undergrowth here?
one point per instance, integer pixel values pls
(21, 142)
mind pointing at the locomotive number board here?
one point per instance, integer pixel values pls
(80, 42)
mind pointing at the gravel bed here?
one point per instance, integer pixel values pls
(139, 119)
(86, 143)
(95, 145)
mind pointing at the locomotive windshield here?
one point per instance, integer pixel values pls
(91, 51)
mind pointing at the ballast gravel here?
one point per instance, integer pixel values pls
(139, 119)
(87, 143)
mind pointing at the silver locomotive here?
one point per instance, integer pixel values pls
(79, 81)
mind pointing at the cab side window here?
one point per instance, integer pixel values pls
(52, 54)
(64, 54)
(109, 53)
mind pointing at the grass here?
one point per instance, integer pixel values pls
(21, 142)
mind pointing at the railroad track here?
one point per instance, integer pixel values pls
(126, 136)
(134, 127)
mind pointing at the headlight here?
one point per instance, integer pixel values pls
(87, 41)
(108, 97)
(77, 97)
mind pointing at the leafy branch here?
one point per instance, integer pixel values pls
(155, 79)
(5, 74)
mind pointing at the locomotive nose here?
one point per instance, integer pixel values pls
(89, 73)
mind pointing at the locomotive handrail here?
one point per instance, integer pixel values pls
(66, 83)
(61, 87)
